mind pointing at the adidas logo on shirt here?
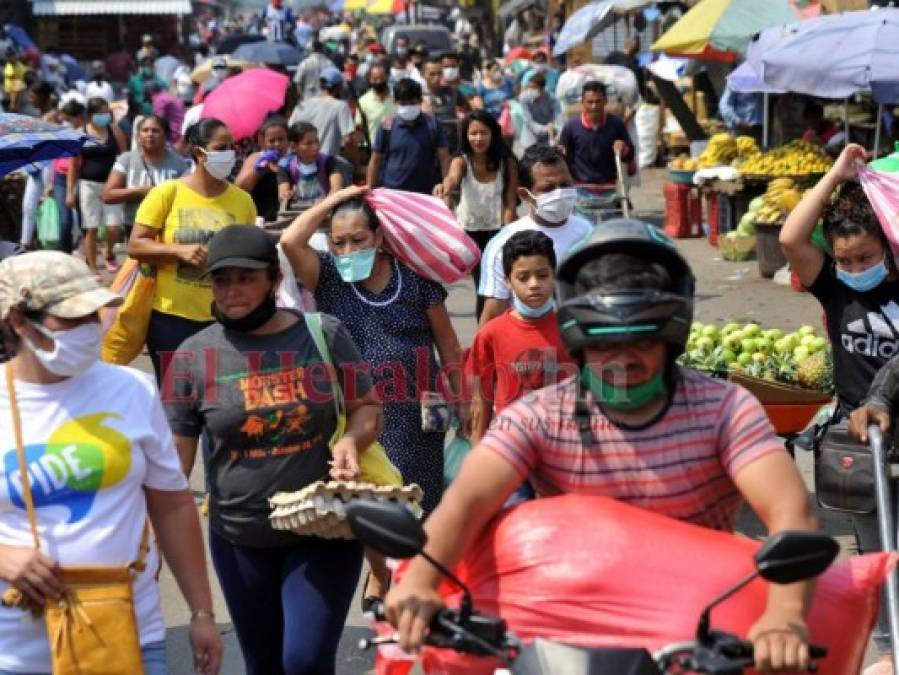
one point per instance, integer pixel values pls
(877, 337)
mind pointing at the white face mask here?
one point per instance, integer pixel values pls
(556, 206)
(529, 95)
(74, 350)
(408, 112)
(450, 74)
(219, 164)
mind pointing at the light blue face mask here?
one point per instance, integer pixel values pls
(866, 280)
(101, 119)
(355, 266)
(533, 312)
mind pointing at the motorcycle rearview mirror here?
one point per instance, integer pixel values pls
(387, 527)
(785, 558)
(392, 530)
(793, 556)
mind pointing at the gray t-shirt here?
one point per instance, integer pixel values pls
(266, 402)
(330, 116)
(138, 173)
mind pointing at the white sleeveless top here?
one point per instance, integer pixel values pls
(480, 205)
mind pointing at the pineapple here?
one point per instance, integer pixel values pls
(816, 372)
(783, 368)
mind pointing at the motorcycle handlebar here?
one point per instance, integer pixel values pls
(479, 634)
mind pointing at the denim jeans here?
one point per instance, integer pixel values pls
(153, 657)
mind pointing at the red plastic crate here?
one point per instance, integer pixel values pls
(683, 210)
(713, 215)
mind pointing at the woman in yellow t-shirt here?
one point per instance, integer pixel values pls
(172, 226)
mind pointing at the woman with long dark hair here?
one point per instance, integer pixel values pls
(486, 176)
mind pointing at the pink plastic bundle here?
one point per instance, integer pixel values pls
(423, 233)
(597, 572)
(882, 189)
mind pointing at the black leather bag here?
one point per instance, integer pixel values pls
(844, 471)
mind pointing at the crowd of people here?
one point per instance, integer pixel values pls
(234, 368)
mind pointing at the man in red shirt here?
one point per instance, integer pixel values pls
(521, 350)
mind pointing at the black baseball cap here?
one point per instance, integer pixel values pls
(245, 246)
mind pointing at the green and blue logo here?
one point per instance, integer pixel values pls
(80, 458)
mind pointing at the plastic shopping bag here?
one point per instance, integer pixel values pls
(423, 233)
(882, 189)
(595, 571)
(126, 326)
(47, 223)
(453, 456)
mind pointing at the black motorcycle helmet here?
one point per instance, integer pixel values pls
(613, 314)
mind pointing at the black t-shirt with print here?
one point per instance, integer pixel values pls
(266, 402)
(863, 329)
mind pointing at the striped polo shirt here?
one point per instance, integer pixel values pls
(682, 466)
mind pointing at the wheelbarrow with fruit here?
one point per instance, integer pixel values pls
(790, 374)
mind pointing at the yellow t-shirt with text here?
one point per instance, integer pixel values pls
(187, 217)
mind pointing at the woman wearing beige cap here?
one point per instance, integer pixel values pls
(99, 460)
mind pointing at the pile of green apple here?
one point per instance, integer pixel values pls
(771, 353)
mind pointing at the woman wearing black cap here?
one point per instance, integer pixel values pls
(254, 381)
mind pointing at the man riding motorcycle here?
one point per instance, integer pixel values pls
(630, 424)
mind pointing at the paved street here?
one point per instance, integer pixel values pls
(726, 290)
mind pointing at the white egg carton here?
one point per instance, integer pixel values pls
(318, 509)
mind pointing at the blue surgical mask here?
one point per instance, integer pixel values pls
(355, 266)
(866, 280)
(533, 312)
(101, 119)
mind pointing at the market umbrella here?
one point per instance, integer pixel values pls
(384, 6)
(271, 53)
(591, 19)
(231, 42)
(204, 71)
(243, 101)
(517, 53)
(25, 139)
(721, 29)
(744, 80)
(833, 56)
(513, 7)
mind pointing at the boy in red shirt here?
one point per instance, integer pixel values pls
(520, 350)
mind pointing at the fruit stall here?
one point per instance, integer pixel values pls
(739, 196)
(791, 374)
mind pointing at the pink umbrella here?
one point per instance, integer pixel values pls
(243, 101)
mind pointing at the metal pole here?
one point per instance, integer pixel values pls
(877, 129)
(885, 524)
(765, 121)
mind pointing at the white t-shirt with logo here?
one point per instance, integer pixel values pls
(565, 237)
(92, 442)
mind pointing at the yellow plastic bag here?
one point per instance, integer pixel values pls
(126, 327)
(374, 464)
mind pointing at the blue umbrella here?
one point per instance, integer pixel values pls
(74, 70)
(582, 25)
(833, 56)
(18, 35)
(24, 140)
(744, 80)
(591, 19)
(269, 53)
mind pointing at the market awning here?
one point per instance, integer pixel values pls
(85, 7)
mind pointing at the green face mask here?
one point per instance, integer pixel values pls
(624, 399)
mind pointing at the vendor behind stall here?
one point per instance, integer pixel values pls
(821, 130)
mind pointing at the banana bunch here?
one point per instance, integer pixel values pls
(747, 147)
(779, 199)
(796, 158)
(722, 149)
